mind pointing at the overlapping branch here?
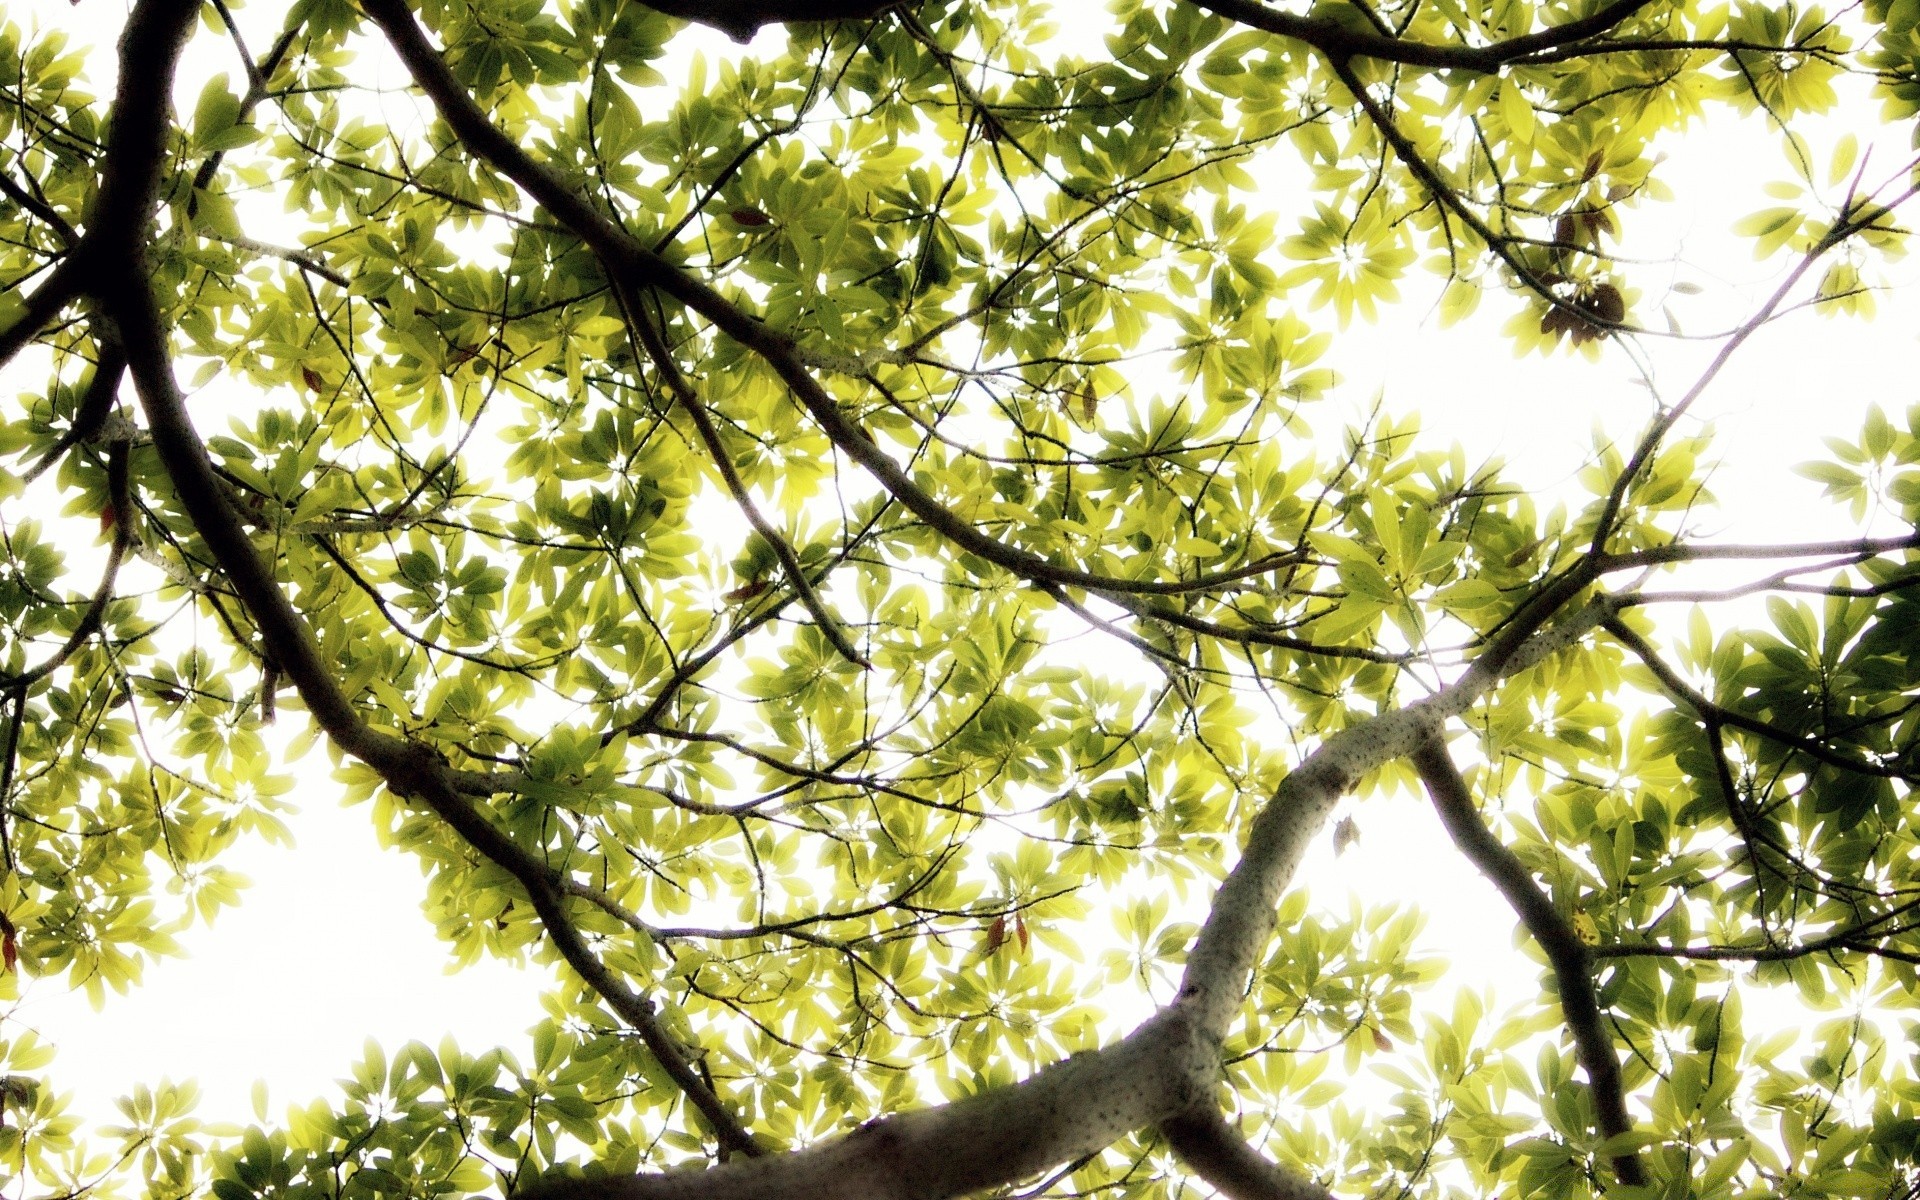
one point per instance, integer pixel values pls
(1162, 1072)
(120, 512)
(1340, 42)
(1718, 714)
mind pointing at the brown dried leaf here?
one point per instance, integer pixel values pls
(1607, 304)
(1345, 834)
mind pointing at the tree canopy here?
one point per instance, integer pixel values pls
(838, 544)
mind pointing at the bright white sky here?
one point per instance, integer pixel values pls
(329, 947)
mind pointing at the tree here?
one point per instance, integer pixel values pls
(681, 514)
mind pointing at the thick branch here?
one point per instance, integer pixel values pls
(1215, 1151)
(1572, 966)
(409, 769)
(47, 214)
(741, 19)
(1162, 1072)
(1242, 917)
(156, 33)
(1339, 41)
(61, 287)
(1073, 1108)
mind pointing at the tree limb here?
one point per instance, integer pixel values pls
(1706, 710)
(1678, 552)
(741, 19)
(1842, 228)
(1343, 42)
(61, 287)
(1215, 1151)
(121, 511)
(155, 35)
(1572, 965)
(96, 400)
(620, 253)
(47, 214)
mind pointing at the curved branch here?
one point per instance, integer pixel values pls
(156, 33)
(96, 400)
(1859, 937)
(1857, 549)
(1838, 232)
(38, 206)
(1255, 636)
(1708, 711)
(121, 511)
(1075, 1107)
(1342, 42)
(622, 254)
(1217, 1153)
(1166, 1069)
(61, 287)
(741, 19)
(257, 75)
(1572, 965)
(1242, 916)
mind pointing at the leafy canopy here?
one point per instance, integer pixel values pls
(835, 544)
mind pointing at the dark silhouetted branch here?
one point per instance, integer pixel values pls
(61, 287)
(1568, 955)
(1342, 42)
(1706, 710)
(120, 512)
(620, 253)
(150, 48)
(97, 397)
(741, 19)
